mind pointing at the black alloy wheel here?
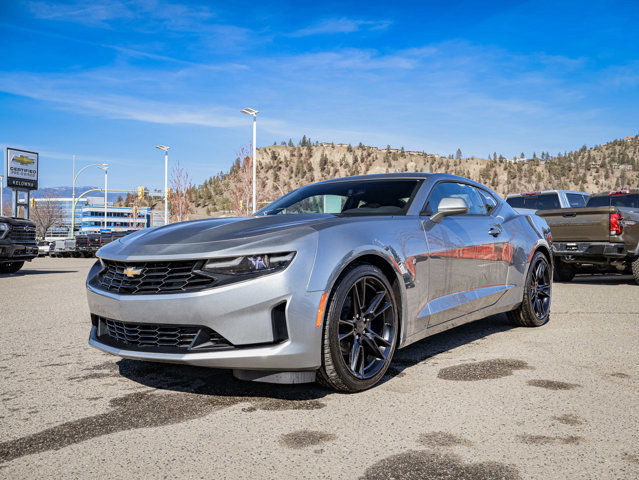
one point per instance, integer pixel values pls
(534, 310)
(360, 330)
(540, 289)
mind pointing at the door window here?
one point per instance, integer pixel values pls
(576, 200)
(469, 193)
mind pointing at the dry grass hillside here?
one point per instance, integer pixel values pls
(282, 168)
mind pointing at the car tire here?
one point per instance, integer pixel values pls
(354, 334)
(635, 269)
(564, 272)
(534, 310)
(10, 267)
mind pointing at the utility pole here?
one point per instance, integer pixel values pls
(166, 181)
(253, 113)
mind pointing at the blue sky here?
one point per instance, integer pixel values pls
(109, 80)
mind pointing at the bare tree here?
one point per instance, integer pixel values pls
(241, 184)
(46, 213)
(240, 189)
(180, 203)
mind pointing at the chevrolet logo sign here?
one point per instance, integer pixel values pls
(23, 159)
(132, 272)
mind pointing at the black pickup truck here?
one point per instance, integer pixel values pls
(17, 243)
(603, 236)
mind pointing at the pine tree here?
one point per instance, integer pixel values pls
(458, 154)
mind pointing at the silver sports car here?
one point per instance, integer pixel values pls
(324, 283)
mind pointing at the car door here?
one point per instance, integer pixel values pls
(465, 267)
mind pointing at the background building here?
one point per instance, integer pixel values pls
(89, 217)
(119, 219)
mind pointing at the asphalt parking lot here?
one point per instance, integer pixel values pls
(481, 401)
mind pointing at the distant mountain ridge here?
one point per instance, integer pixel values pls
(284, 167)
(66, 192)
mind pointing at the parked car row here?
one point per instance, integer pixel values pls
(591, 233)
(83, 245)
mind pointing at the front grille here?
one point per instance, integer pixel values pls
(158, 337)
(22, 234)
(149, 278)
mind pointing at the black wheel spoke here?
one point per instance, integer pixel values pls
(345, 336)
(358, 296)
(373, 347)
(355, 354)
(377, 338)
(377, 300)
(543, 290)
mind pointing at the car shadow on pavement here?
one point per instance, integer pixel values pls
(23, 273)
(610, 279)
(216, 382)
(442, 342)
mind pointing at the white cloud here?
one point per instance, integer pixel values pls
(341, 25)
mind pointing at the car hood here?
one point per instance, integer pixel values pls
(216, 237)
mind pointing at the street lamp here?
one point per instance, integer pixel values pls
(253, 113)
(1, 193)
(105, 167)
(75, 177)
(166, 182)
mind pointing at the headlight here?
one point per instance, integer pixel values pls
(250, 265)
(4, 229)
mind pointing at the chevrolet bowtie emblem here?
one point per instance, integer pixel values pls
(132, 272)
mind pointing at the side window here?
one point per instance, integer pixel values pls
(458, 190)
(575, 200)
(515, 202)
(548, 201)
(488, 199)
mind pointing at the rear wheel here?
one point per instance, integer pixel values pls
(10, 267)
(534, 310)
(635, 269)
(564, 272)
(360, 330)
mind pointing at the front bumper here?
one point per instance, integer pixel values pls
(239, 312)
(10, 251)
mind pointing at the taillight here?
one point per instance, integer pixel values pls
(616, 228)
(620, 192)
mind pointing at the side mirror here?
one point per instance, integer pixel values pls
(450, 206)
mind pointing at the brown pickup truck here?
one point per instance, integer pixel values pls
(603, 236)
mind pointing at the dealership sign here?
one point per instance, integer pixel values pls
(22, 169)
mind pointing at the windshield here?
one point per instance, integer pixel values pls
(545, 201)
(624, 200)
(348, 197)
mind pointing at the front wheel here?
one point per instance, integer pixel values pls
(360, 330)
(534, 310)
(10, 267)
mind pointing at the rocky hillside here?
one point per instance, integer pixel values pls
(284, 167)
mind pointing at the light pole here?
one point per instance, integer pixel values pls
(166, 182)
(1, 193)
(253, 113)
(106, 169)
(99, 165)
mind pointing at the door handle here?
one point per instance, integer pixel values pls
(495, 230)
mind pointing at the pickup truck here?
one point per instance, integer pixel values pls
(530, 202)
(603, 236)
(17, 243)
